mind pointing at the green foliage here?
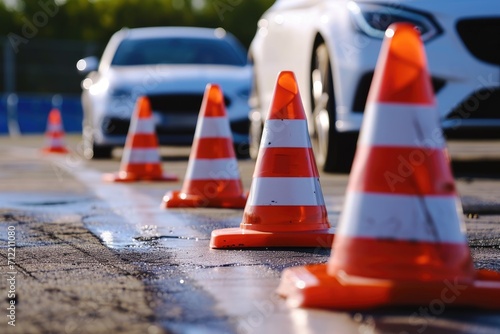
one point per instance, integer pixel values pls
(48, 39)
(97, 20)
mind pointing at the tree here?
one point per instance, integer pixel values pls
(98, 20)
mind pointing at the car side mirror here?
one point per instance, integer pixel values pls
(87, 65)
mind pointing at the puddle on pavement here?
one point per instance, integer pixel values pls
(27, 201)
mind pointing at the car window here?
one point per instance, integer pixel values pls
(177, 51)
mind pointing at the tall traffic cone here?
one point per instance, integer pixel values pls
(55, 133)
(285, 207)
(140, 160)
(401, 239)
(212, 176)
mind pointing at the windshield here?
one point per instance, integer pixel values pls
(175, 50)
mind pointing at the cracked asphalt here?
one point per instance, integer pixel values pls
(92, 257)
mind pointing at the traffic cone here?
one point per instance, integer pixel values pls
(401, 239)
(55, 133)
(140, 160)
(285, 207)
(212, 176)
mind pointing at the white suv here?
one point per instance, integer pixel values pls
(333, 45)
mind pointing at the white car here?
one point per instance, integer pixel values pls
(172, 66)
(333, 45)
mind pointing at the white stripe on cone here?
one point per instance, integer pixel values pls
(212, 169)
(212, 127)
(423, 128)
(143, 126)
(285, 133)
(141, 155)
(55, 142)
(402, 217)
(54, 127)
(286, 191)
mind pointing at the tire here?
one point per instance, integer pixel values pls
(93, 151)
(334, 151)
(241, 151)
(255, 135)
(102, 152)
(256, 120)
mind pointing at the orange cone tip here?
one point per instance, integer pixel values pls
(212, 177)
(144, 108)
(141, 159)
(406, 78)
(55, 133)
(285, 207)
(401, 239)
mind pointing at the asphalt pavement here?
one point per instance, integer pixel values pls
(95, 257)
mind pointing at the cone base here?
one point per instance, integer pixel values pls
(131, 177)
(312, 286)
(61, 150)
(177, 199)
(237, 238)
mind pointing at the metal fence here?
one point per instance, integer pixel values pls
(32, 74)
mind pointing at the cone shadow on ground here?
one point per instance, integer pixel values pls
(174, 158)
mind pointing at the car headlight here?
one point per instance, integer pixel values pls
(99, 87)
(374, 19)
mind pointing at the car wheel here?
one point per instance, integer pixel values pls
(255, 134)
(256, 120)
(102, 152)
(241, 150)
(93, 151)
(334, 151)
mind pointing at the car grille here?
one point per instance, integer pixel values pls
(481, 37)
(364, 87)
(181, 109)
(240, 127)
(482, 104)
(115, 126)
(177, 103)
(119, 127)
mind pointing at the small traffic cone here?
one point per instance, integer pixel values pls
(285, 207)
(140, 160)
(55, 133)
(212, 176)
(401, 239)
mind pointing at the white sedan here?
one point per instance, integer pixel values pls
(333, 45)
(171, 66)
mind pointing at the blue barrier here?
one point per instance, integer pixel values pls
(3, 116)
(33, 110)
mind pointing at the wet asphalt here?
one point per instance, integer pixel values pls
(93, 257)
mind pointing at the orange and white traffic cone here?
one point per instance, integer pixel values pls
(141, 159)
(401, 239)
(212, 176)
(285, 207)
(55, 133)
